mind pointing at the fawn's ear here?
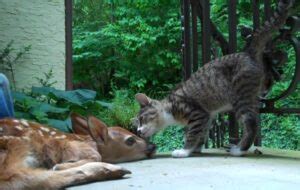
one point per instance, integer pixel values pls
(98, 130)
(79, 124)
(142, 99)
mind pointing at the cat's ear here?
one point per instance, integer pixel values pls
(142, 99)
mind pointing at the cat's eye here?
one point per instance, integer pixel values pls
(130, 141)
(141, 120)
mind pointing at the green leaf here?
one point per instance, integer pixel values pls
(104, 104)
(21, 97)
(47, 108)
(39, 115)
(78, 97)
(42, 90)
(24, 99)
(65, 126)
(22, 115)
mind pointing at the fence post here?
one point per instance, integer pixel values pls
(195, 36)
(186, 47)
(206, 42)
(68, 25)
(232, 24)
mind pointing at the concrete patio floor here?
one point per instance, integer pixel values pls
(213, 169)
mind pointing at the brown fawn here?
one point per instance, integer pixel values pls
(34, 156)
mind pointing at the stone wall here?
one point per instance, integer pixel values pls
(40, 24)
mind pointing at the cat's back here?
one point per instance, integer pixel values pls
(235, 61)
(213, 85)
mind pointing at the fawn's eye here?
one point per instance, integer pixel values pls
(130, 141)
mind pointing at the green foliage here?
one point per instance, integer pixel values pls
(169, 139)
(50, 106)
(47, 80)
(281, 131)
(76, 97)
(9, 57)
(127, 45)
(120, 111)
(288, 69)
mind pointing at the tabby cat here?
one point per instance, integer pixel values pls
(232, 82)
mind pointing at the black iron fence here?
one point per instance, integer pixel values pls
(195, 11)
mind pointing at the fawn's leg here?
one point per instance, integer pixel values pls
(29, 178)
(89, 172)
(71, 164)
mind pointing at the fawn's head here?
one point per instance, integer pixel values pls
(115, 144)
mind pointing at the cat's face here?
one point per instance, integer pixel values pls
(150, 118)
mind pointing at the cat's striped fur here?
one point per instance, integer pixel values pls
(232, 82)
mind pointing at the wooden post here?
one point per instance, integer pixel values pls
(68, 28)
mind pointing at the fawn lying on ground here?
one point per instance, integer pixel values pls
(33, 156)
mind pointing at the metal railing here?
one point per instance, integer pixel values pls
(194, 11)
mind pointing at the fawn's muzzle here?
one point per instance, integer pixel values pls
(150, 149)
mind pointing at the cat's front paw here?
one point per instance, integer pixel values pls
(236, 151)
(181, 153)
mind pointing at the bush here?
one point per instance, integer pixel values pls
(169, 139)
(127, 45)
(281, 131)
(121, 110)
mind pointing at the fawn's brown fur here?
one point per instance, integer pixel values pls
(34, 156)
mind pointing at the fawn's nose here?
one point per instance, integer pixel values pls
(150, 149)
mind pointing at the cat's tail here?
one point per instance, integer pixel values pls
(263, 35)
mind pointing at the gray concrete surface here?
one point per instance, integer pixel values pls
(213, 169)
